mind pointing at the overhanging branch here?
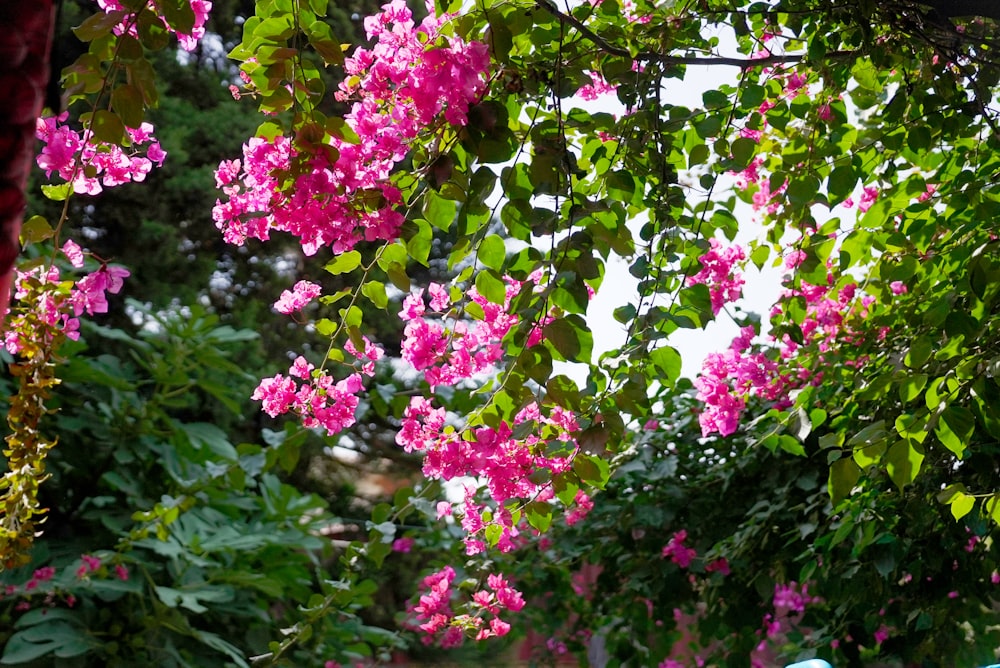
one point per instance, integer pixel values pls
(652, 56)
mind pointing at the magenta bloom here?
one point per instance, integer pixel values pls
(719, 273)
(297, 298)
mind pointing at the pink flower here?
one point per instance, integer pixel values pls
(67, 153)
(794, 259)
(718, 272)
(596, 88)
(411, 79)
(499, 627)
(582, 505)
(677, 552)
(372, 353)
(89, 565)
(898, 287)
(720, 565)
(868, 197)
(297, 298)
(795, 82)
(318, 400)
(122, 572)
(404, 545)
(156, 153)
(73, 253)
(791, 598)
(440, 299)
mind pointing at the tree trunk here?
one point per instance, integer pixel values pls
(26, 28)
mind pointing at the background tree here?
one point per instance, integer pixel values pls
(861, 139)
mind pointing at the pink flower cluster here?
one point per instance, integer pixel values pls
(42, 581)
(494, 455)
(833, 319)
(313, 394)
(400, 89)
(718, 272)
(727, 378)
(599, 86)
(790, 601)
(57, 303)
(297, 298)
(582, 505)
(482, 616)
(827, 314)
(89, 163)
(188, 41)
(677, 552)
(447, 356)
(868, 196)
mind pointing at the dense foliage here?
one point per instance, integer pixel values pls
(826, 485)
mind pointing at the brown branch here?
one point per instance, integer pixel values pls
(965, 8)
(652, 56)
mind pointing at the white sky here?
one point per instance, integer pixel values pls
(760, 292)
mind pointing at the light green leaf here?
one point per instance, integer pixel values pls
(491, 287)
(375, 291)
(492, 252)
(344, 263)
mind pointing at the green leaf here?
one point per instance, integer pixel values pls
(920, 351)
(98, 25)
(743, 150)
(571, 338)
(491, 287)
(398, 276)
(107, 127)
(438, 211)
(962, 505)
(903, 462)
(993, 508)
(866, 75)
(178, 14)
(539, 515)
(563, 391)
(710, 126)
(57, 193)
(918, 138)
(668, 361)
(492, 252)
(954, 429)
(344, 263)
(205, 434)
(591, 469)
(844, 474)
(911, 387)
(36, 229)
(621, 186)
(322, 39)
(841, 183)
(375, 291)
(58, 637)
(126, 100)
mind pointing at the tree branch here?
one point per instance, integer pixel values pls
(652, 56)
(989, 9)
